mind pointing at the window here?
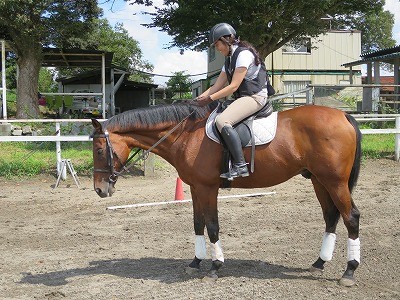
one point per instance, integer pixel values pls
(301, 47)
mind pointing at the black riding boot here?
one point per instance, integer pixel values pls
(232, 141)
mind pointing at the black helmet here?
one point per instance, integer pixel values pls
(220, 30)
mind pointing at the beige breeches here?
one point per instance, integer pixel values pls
(240, 109)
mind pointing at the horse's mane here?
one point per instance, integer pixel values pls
(154, 115)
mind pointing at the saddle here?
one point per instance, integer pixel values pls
(257, 129)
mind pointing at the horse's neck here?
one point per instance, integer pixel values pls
(160, 140)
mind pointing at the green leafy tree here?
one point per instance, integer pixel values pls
(179, 85)
(46, 81)
(31, 24)
(376, 30)
(127, 53)
(267, 24)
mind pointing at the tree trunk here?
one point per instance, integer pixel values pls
(29, 62)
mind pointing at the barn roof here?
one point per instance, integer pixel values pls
(388, 55)
(56, 57)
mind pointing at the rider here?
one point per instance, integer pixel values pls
(246, 80)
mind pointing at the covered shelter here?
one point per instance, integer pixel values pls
(373, 60)
(56, 57)
(123, 93)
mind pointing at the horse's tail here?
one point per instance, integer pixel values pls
(355, 171)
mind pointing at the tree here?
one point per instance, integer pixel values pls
(127, 53)
(179, 84)
(46, 82)
(376, 30)
(267, 24)
(31, 24)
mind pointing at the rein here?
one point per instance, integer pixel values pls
(125, 166)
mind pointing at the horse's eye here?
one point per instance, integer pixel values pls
(100, 151)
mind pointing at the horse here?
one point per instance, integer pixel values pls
(322, 144)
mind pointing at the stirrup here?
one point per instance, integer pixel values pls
(237, 170)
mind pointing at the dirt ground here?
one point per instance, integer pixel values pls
(64, 244)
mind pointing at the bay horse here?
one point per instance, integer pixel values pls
(322, 144)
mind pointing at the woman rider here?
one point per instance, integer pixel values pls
(246, 80)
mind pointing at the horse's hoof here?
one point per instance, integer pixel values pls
(315, 271)
(192, 271)
(346, 281)
(210, 277)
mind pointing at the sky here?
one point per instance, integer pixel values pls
(153, 42)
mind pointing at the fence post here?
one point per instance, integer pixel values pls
(309, 97)
(58, 155)
(397, 140)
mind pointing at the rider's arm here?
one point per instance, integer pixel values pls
(238, 77)
(219, 84)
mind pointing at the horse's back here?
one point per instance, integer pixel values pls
(316, 122)
(322, 139)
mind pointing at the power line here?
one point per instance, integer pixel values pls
(162, 75)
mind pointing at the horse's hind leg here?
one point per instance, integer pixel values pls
(341, 197)
(351, 220)
(331, 216)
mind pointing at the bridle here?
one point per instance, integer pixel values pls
(110, 159)
(128, 164)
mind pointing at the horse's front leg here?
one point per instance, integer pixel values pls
(206, 214)
(200, 247)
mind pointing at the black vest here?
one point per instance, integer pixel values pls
(247, 87)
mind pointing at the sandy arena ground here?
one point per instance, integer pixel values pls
(64, 244)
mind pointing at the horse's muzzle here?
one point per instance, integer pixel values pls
(106, 192)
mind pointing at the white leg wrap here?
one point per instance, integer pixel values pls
(200, 248)
(216, 251)
(353, 250)
(327, 247)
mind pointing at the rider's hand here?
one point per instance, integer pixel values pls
(202, 100)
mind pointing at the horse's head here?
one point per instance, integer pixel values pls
(108, 158)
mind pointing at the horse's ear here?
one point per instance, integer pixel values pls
(97, 126)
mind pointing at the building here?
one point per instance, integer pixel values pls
(313, 61)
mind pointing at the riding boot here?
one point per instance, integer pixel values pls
(232, 141)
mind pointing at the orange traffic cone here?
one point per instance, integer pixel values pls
(179, 189)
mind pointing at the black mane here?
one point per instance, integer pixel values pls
(154, 115)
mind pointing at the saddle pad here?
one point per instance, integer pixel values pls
(264, 129)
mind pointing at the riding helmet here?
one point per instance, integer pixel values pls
(220, 30)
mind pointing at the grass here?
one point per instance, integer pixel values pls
(25, 159)
(378, 145)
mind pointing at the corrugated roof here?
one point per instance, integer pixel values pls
(381, 52)
(388, 55)
(56, 57)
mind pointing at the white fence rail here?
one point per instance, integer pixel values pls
(381, 118)
(57, 138)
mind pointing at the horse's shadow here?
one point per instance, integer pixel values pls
(167, 271)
